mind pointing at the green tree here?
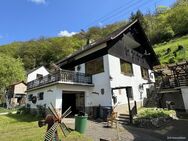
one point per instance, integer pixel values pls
(10, 49)
(160, 26)
(180, 2)
(178, 19)
(161, 9)
(139, 15)
(161, 30)
(11, 71)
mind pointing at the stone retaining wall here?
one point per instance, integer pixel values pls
(152, 123)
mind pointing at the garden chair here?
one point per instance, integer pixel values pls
(112, 118)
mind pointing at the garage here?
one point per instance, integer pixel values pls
(74, 99)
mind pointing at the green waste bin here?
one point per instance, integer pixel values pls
(81, 123)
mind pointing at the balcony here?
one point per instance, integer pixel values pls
(61, 76)
(173, 81)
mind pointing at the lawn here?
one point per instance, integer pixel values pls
(181, 55)
(4, 110)
(14, 127)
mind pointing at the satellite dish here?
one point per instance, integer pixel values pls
(78, 68)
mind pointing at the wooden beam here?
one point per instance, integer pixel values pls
(129, 106)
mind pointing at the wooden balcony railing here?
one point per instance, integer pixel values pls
(172, 81)
(64, 76)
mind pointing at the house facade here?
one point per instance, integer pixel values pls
(109, 72)
(16, 94)
(37, 73)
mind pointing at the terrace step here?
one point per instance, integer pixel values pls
(123, 119)
(123, 114)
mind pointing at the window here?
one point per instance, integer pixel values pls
(30, 97)
(130, 93)
(126, 68)
(41, 96)
(39, 76)
(94, 66)
(145, 74)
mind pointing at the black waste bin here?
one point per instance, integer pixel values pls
(106, 112)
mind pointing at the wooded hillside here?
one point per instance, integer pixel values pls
(161, 26)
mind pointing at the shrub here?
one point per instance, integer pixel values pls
(41, 111)
(171, 60)
(153, 117)
(154, 113)
(24, 110)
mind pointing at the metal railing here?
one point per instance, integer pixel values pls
(62, 75)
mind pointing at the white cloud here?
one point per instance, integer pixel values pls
(1, 36)
(38, 1)
(100, 24)
(65, 33)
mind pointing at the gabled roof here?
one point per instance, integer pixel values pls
(32, 70)
(110, 37)
(16, 83)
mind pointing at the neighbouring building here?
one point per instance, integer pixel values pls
(36, 73)
(16, 94)
(108, 72)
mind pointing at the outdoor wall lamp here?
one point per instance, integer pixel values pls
(95, 93)
(151, 74)
(50, 90)
(102, 91)
(111, 78)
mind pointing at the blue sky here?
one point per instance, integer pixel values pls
(22, 20)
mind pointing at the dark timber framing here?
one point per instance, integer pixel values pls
(114, 44)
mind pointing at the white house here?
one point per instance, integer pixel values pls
(107, 72)
(36, 73)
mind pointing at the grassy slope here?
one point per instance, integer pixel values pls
(25, 128)
(173, 45)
